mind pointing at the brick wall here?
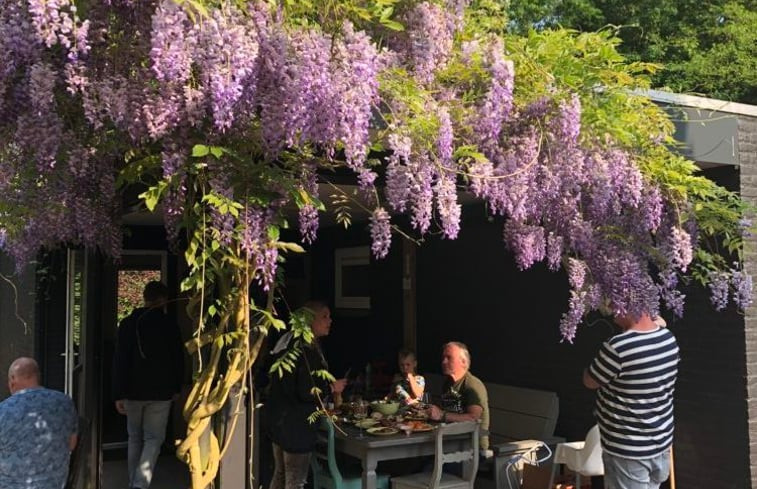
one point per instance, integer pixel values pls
(747, 145)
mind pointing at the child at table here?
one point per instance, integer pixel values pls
(408, 386)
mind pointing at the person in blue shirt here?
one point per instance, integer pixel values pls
(37, 431)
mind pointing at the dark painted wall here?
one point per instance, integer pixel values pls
(16, 300)
(359, 336)
(470, 290)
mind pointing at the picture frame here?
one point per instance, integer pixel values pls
(351, 271)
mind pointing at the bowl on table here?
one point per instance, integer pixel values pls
(387, 408)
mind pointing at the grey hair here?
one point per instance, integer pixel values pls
(464, 353)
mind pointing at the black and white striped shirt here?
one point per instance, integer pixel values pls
(636, 371)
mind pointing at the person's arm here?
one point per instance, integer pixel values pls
(308, 362)
(603, 369)
(589, 381)
(417, 384)
(472, 413)
(73, 425)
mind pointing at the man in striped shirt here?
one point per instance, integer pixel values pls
(634, 374)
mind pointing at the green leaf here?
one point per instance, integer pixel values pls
(200, 150)
(393, 25)
(151, 196)
(288, 246)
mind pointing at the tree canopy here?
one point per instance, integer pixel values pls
(707, 47)
(229, 113)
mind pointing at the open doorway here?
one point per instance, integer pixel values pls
(136, 269)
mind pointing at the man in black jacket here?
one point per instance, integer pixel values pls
(148, 375)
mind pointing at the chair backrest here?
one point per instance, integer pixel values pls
(591, 454)
(325, 454)
(519, 413)
(469, 454)
(515, 413)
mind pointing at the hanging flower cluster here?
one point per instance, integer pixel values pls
(418, 115)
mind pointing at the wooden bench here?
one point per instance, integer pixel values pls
(519, 418)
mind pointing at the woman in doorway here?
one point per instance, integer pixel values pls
(408, 386)
(292, 401)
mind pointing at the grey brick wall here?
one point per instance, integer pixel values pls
(747, 146)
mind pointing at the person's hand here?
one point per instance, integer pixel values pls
(338, 386)
(435, 413)
(121, 406)
(409, 376)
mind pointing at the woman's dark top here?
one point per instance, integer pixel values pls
(291, 402)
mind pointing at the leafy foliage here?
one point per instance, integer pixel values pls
(706, 47)
(227, 116)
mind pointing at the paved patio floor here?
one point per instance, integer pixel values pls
(170, 473)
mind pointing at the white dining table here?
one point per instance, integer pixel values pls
(371, 449)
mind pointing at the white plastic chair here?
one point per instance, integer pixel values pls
(582, 457)
(437, 479)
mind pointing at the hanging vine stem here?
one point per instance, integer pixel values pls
(15, 303)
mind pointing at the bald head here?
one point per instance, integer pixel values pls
(22, 374)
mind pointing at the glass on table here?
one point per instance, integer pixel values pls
(360, 412)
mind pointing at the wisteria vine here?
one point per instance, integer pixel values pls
(232, 111)
(244, 76)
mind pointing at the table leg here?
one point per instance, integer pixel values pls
(369, 471)
(499, 472)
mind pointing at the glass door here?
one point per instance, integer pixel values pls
(76, 318)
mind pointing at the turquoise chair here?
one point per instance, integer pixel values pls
(326, 473)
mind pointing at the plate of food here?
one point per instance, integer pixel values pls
(419, 426)
(416, 416)
(366, 423)
(382, 431)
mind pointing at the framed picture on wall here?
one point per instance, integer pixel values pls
(352, 278)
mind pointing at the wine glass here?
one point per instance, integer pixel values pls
(360, 412)
(424, 401)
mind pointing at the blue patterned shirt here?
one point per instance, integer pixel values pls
(35, 427)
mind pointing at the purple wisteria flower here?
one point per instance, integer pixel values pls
(381, 232)
(430, 30)
(173, 42)
(447, 204)
(499, 100)
(742, 288)
(718, 285)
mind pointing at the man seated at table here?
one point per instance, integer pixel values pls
(464, 396)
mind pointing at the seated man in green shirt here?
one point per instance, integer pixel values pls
(464, 396)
